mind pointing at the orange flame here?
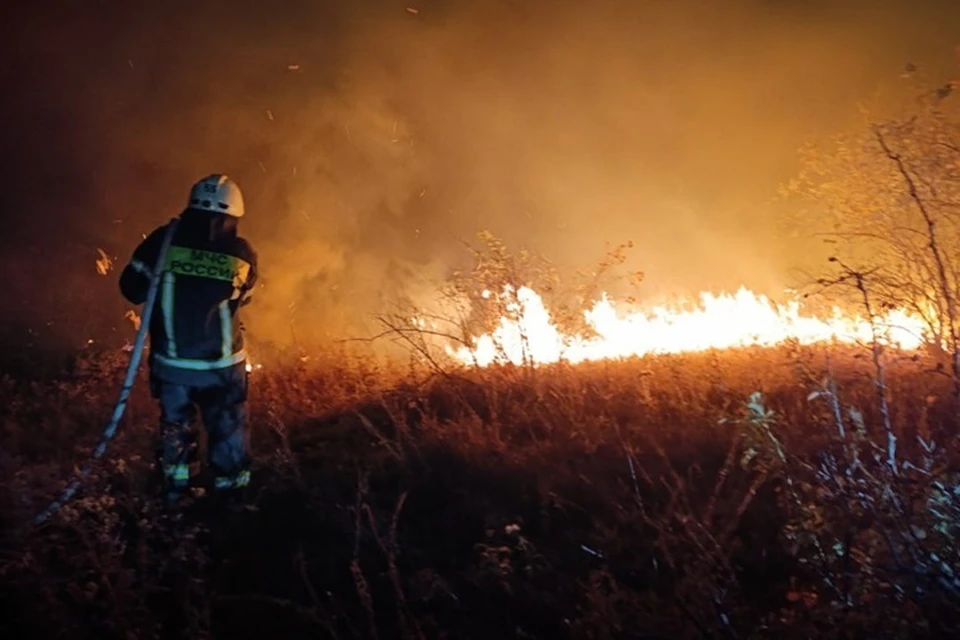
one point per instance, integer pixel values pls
(529, 335)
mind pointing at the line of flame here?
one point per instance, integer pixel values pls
(718, 322)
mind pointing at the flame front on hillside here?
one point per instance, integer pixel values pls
(528, 333)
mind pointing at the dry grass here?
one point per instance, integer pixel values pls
(639, 499)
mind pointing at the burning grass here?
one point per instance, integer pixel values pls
(656, 497)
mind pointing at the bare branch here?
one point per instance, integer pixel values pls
(943, 281)
(949, 146)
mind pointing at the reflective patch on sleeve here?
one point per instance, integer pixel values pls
(141, 268)
(242, 295)
(207, 264)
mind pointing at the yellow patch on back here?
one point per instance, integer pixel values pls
(207, 264)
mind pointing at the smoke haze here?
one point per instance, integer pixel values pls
(369, 138)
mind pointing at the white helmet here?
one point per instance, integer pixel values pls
(217, 193)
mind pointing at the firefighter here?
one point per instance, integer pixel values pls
(197, 357)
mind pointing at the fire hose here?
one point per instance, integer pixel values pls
(128, 382)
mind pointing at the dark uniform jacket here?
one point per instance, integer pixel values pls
(208, 274)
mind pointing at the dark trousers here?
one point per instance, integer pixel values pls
(222, 407)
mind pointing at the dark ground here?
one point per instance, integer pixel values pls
(604, 501)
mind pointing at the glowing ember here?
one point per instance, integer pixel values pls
(104, 263)
(718, 322)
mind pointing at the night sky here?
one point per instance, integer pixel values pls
(368, 138)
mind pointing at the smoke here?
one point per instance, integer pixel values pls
(370, 138)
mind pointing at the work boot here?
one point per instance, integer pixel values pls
(176, 459)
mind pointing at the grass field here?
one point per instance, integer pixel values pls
(653, 498)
